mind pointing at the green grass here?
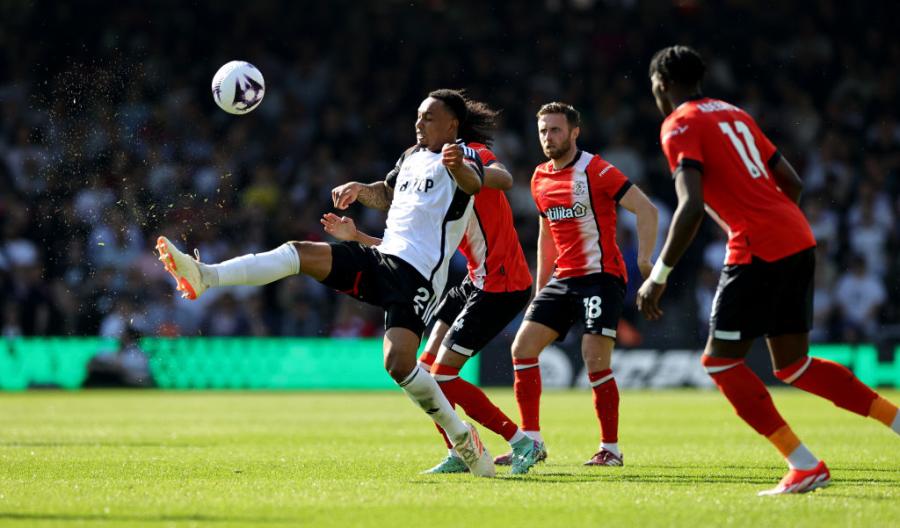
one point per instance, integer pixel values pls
(338, 459)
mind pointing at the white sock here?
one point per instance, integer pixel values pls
(612, 447)
(516, 438)
(535, 435)
(896, 425)
(208, 275)
(802, 458)
(452, 453)
(424, 391)
(254, 269)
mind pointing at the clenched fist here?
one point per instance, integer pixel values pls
(452, 156)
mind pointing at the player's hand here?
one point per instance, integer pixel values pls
(340, 227)
(646, 267)
(344, 195)
(648, 299)
(452, 156)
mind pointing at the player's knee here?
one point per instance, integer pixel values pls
(595, 360)
(315, 257)
(396, 371)
(596, 351)
(715, 365)
(300, 246)
(519, 349)
(449, 358)
(708, 362)
(398, 366)
(522, 347)
(432, 347)
(790, 372)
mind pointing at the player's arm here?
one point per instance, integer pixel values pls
(497, 177)
(685, 222)
(687, 217)
(647, 215)
(786, 178)
(378, 195)
(546, 253)
(467, 175)
(344, 228)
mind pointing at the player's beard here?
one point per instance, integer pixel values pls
(558, 151)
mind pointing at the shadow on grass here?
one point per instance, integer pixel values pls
(837, 494)
(668, 478)
(780, 467)
(894, 471)
(89, 517)
(649, 479)
(696, 467)
(578, 478)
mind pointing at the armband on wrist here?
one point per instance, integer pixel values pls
(660, 272)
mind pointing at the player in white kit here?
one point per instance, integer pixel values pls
(428, 196)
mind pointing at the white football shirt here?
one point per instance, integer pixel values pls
(428, 215)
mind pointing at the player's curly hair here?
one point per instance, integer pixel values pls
(681, 65)
(477, 120)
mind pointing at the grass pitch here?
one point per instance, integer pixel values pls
(353, 459)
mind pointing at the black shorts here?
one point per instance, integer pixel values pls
(596, 299)
(476, 316)
(764, 298)
(383, 280)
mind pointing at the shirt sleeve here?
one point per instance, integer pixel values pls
(680, 141)
(534, 195)
(607, 180)
(487, 157)
(391, 178)
(473, 160)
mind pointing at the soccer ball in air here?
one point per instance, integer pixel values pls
(238, 87)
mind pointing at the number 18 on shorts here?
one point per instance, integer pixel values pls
(596, 300)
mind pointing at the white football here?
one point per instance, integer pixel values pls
(238, 87)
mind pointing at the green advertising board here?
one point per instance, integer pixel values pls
(209, 362)
(285, 363)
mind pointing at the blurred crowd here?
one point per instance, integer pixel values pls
(109, 137)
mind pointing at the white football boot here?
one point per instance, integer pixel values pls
(474, 454)
(184, 268)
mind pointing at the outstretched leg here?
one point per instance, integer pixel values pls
(828, 380)
(255, 269)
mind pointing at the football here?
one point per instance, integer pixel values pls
(238, 87)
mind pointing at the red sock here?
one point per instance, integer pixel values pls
(527, 389)
(426, 360)
(831, 381)
(473, 400)
(606, 404)
(746, 392)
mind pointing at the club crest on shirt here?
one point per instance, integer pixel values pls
(579, 189)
